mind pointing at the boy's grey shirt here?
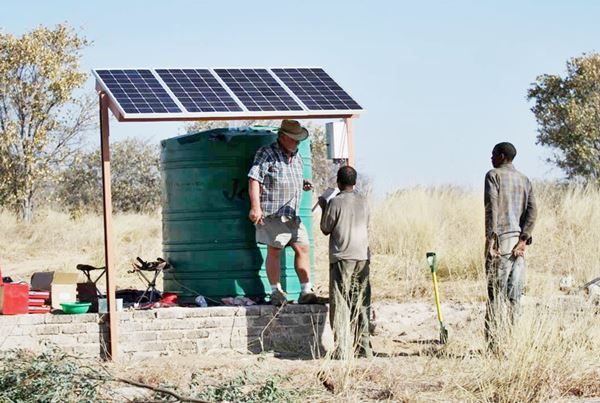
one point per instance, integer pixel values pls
(345, 219)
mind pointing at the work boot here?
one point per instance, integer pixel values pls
(278, 298)
(308, 297)
(311, 298)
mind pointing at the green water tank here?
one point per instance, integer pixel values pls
(207, 236)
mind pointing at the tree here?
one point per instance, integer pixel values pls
(41, 119)
(135, 179)
(324, 169)
(567, 110)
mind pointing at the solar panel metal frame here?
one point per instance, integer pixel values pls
(245, 114)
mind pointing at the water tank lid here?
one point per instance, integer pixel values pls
(263, 128)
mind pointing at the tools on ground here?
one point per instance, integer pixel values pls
(432, 260)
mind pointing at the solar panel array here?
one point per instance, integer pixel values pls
(235, 92)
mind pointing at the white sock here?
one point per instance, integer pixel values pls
(275, 287)
(305, 287)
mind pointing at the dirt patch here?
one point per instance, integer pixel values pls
(404, 341)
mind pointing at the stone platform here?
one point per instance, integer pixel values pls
(174, 331)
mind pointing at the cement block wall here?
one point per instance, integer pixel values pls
(174, 331)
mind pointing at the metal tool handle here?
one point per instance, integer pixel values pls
(432, 260)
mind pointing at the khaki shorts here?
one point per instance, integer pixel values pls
(279, 232)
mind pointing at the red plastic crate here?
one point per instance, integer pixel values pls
(38, 298)
(39, 309)
(14, 298)
(36, 302)
(39, 294)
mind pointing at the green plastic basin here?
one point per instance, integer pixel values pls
(75, 307)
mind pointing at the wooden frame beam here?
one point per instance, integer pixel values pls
(249, 117)
(105, 105)
(350, 139)
(113, 320)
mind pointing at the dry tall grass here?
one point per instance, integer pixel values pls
(550, 354)
(450, 222)
(404, 226)
(55, 242)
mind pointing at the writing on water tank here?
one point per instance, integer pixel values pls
(236, 191)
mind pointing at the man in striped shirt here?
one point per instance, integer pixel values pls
(275, 186)
(510, 214)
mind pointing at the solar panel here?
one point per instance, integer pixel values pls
(198, 90)
(138, 91)
(316, 89)
(258, 90)
(224, 93)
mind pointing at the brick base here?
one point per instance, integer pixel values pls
(174, 331)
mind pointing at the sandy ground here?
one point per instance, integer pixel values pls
(411, 365)
(418, 320)
(405, 341)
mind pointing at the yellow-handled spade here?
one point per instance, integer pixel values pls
(431, 259)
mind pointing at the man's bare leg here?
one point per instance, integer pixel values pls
(302, 261)
(273, 265)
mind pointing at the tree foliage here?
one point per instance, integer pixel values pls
(135, 179)
(567, 110)
(324, 169)
(41, 118)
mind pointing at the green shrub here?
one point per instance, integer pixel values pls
(135, 180)
(51, 376)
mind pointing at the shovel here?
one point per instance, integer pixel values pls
(431, 259)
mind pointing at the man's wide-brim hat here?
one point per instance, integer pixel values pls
(293, 129)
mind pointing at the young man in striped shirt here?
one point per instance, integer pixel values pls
(510, 214)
